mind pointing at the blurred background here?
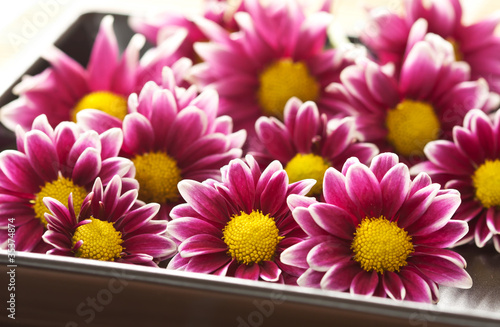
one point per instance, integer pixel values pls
(28, 27)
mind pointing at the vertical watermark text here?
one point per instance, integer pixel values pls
(11, 268)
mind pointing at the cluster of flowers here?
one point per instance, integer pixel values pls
(241, 145)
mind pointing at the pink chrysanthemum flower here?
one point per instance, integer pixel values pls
(65, 88)
(170, 134)
(54, 163)
(379, 233)
(156, 27)
(277, 54)
(307, 144)
(108, 227)
(387, 35)
(238, 227)
(471, 164)
(431, 95)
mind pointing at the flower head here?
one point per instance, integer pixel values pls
(158, 26)
(431, 95)
(66, 88)
(108, 227)
(307, 144)
(379, 233)
(388, 34)
(54, 163)
(470, 163)
(170, 134)
(240, 226)
(277, 54)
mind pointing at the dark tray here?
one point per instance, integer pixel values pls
(60, 291)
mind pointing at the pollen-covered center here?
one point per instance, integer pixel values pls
(411, 125)
(100, 241)
(158, 175)
(111, 103)
(282, 80)
(59, 190)
(251, 238)
(304, 166)
(486, 180)
(381, 245)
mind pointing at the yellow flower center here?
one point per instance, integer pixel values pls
(111, 103)
(59, 190)
(456, 49)
(251, 238)
(411, 125)
(486, 180)
(158, 175)
(381, 245)
(282, 80)
(101, 241)
(304, 166)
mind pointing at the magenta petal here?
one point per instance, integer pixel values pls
(251, 272)
(104, 57)
(365, 283)
(334, 190)
(437, 215)
(339, 277)
(307, 129)
(273, 197)
(28, 235)
(324, 255)
(207, 263)
(493, 220)
(42, 155)
(155, 245)
(295, 255)
(16, 167)
(364, 190)
(419, 71)
(241, 185)
(445, 237)
(111, 142)
(442, 271)
(57, 239)
(269, 271)
(393, 285)
(205, 200)
(274, 136)
(416, 287)
(138, 217)
(334, 220)
(97, 120)
(183, 228)
(310, 278)
(138, 133)
(305, 220)
(201, 244)
(87, 167)
(395, 186)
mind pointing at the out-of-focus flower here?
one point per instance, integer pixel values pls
(277, 54)
(240, 226)
(170, 134)
(54, 163)
(379, 233)
(471, 164)
(65, 88)
(307, 144)
(432, 94)
(388, 34)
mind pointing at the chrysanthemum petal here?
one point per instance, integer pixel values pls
(336, 221)
(201, 244)
(42, 155)
(138, 133)
(445, 237)
(269, 271)
(207, 263)
(17, 169)
(310, 278)
(186, 227)
(28, 235)
(339, 277)
(155, 245)
(416, 288)
(364, 190)
(393, 285)
(87, 167)
(442, 271)
(324, 255)
(365, 283)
